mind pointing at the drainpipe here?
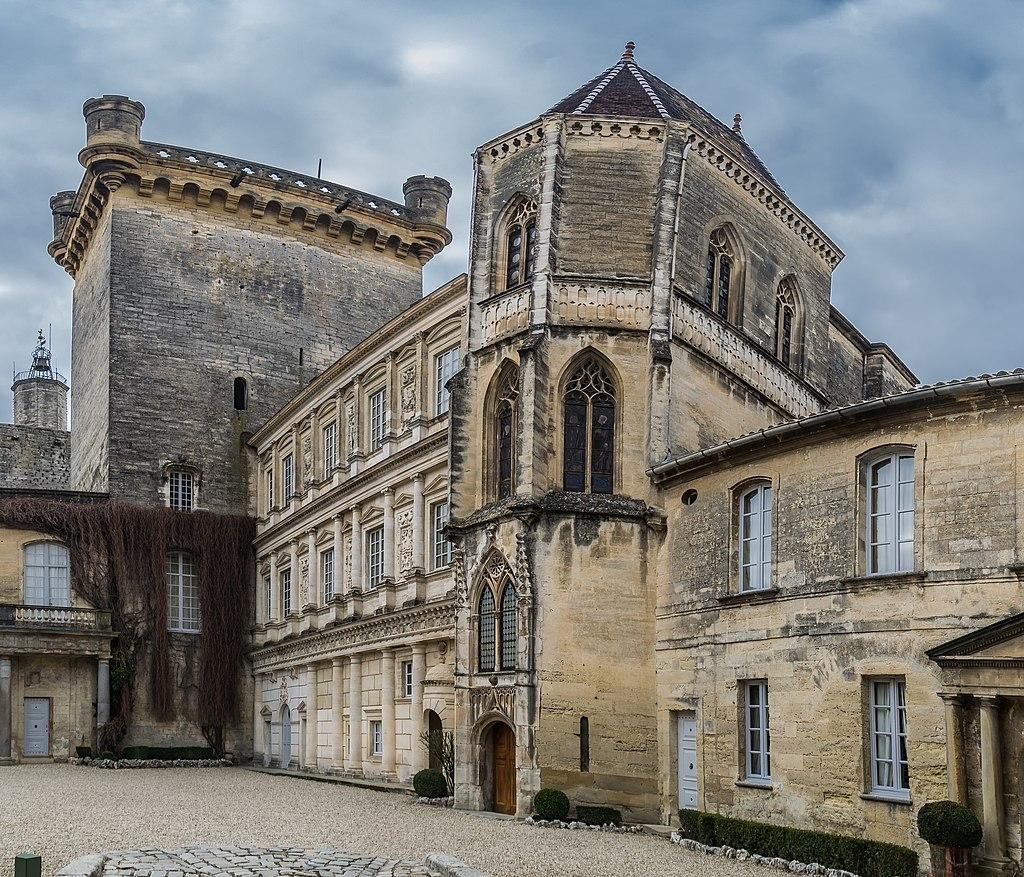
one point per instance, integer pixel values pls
(675, 224)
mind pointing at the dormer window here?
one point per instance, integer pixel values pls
(520, 234)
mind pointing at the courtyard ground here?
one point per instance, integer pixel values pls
(63, 811)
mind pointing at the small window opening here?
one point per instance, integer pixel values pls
(584, 745)
(241, 394)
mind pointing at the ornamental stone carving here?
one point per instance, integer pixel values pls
(407, 383)
(506, 315)
(307, 461)
(604, 304)
(496, 699)
(350, 428)
(348, 562)
(403, 524)
(459, 574)
(304, 580)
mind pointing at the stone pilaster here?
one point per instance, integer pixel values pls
(956, 774)
(275, 592)
(418, 523)
(5, 708)
(389, 533)
(387, 710)
(313, 562)
(102, 692)
(355, 713)
(357, 549)
(337, 713)
(419, 668)
(296, 582)
(312, 737)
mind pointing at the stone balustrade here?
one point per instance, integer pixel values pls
(74, 617)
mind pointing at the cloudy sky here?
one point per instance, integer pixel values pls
(897, 125)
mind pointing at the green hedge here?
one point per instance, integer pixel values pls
(598, 815)
(948, 824)
(867, 858)
(168, 753)
(430, 783)
(551, 804)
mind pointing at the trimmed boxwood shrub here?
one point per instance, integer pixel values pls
(168, 753)
(598, 815)
(83, 751)
(551, 804)
(430, 783)
(948, 824)
(867, 858)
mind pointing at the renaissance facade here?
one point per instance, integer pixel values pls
(631, 509)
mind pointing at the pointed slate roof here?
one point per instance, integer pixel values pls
(626, 89)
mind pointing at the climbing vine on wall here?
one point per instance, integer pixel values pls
(118, 552)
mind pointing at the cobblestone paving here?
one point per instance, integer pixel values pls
(255, 862)
(63, 812)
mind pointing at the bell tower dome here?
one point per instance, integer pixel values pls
(40, 393)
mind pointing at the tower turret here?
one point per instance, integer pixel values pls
(40, 393)
(427, 198)
(113, 124)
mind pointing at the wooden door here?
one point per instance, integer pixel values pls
(37, 726)
(504, 768)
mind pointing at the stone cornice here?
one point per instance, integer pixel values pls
(435, 619)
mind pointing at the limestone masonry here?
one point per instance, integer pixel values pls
(630, 509)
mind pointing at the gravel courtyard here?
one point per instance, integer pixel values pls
(62, 812)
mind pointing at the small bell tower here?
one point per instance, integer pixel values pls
(40, 393)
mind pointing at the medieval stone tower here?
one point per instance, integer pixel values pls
(208, 291)
(639, 285)
(40, 392)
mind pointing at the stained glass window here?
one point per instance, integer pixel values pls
(589, 430)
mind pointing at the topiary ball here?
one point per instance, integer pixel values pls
(430, 783)
(948, 824)
(551, 804)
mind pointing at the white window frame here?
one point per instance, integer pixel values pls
(268, 586)
(887, 726)
(287, 478)
(377, 405)
(757, 732)
(376, 737)
(755, 538)
(47, 574)
(406, 678)
(329, 435)
(893, 504)
(183, 610)
(374, 557)
(181, 490)
(446, 364)
(327, 573)
(270, 488)
(286, 592)
(440, 547)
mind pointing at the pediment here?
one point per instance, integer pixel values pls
(1002, 641)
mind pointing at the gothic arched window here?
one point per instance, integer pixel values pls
(786, 322)
(505, 432)
(589, 430)
(520, 232)
(486, 631)
(508, 627)
(721, 273)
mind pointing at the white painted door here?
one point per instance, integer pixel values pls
(686, 756)
(286, 736)
(37, 726)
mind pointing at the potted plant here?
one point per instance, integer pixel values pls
(951, 830)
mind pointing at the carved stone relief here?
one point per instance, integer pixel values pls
(403, 524)
(408, 393)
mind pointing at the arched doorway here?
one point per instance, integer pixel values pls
(286, 736)
(501, 763)
(435, 734)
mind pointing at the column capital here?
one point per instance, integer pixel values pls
(988, 701)
(419, 476)
(954, 697)
(419, 648)
(390, 489)
(311, 666)
(337, 663)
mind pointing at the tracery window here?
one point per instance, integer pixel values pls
(47, 574)
(786, 322)
(520, 244)
(721, 270)
(589, 430)
(497, 629)
(505, 429)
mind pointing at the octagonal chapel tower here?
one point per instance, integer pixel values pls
(640, 285)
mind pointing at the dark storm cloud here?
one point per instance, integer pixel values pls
(897, 126)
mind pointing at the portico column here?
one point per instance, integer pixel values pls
(956, 776)
(296, 582)
(5, 707)
(275, 597)
(355, 712)
(357, 549)
(337, 713)
(994, 842)
(419, 666)
(389, 533)
(313, 561)
(257, 717)
(102, 692)
(418, 521)
(311, 717)
(339, 559)
(387, 710)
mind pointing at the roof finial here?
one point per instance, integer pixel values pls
(627, 54)
(736, 121)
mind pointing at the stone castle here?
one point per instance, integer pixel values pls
(630, 510)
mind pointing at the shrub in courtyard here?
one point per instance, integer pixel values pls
(864, 857)
(551, 804)
(430, 783)
(83, 751)
(598, 815)
(948, 824)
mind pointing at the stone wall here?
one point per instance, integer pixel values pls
(69, 682)
(31, 456)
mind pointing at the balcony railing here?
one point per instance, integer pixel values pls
(54, 617)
